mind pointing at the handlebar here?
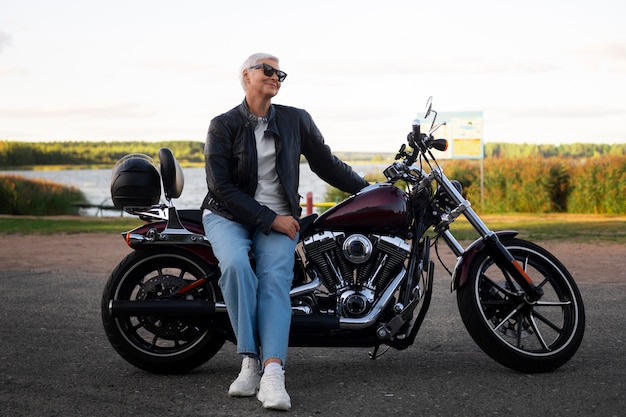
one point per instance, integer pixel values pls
(421, 143)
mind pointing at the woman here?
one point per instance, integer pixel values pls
(252, 205)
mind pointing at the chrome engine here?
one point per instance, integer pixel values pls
(355, 268)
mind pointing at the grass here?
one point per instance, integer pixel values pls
(66, 224)
(534, 227)
(540, 227)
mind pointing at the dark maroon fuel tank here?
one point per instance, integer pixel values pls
(379, 208)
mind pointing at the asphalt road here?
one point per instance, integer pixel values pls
(56, 361)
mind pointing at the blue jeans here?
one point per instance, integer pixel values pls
(258, 302)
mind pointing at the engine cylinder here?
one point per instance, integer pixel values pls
(357, 248)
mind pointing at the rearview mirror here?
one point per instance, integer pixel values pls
(429, 106)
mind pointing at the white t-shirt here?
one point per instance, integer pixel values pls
(269, 191)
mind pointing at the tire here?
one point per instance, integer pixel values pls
(528, 337)
(163, 345)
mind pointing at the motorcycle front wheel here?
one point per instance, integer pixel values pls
(162, 344)
(527, 336)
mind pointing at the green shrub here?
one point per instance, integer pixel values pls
(599, 186)
(536, 184)
(22, 196)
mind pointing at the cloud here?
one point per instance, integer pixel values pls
(575, 111)
(115, 111)
(440, 65)
(176, 66)
(485, 66)
(608, 56)
(5, 40)
(12, 71)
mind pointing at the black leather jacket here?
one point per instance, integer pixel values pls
(231, 163)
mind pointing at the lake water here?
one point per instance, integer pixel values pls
(95, 184)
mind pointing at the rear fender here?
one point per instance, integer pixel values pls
(461, 269)
(190, 238)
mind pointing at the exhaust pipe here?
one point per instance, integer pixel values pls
(306, 288)
(183, 308)
(165, 308)
(203, 308)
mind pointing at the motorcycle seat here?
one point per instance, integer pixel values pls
(171, 174)
(306, 222)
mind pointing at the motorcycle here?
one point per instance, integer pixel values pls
(363, 275)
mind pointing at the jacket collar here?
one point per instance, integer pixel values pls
(245, 111)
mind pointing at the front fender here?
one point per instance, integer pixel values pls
(461, 269)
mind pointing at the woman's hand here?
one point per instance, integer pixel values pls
(287, 225)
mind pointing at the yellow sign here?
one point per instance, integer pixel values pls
(464, 132)
(469, 148)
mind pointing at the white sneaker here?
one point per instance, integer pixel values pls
(247, 383)
(272, 392)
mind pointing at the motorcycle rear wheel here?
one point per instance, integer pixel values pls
(526, 336)
(160, 344)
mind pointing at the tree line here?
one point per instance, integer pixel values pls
(576, 178)
(24, 154)
(15, 154)
(570, 150)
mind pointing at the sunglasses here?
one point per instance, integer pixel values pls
(269, 70)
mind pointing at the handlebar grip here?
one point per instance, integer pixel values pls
(416, 128)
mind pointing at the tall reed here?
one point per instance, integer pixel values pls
(22, 196)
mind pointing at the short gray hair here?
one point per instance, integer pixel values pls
(252, 61)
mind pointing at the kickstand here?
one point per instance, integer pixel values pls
(373, 355)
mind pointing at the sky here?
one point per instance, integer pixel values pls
(541, 71)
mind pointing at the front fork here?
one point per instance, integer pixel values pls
(489, 242)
